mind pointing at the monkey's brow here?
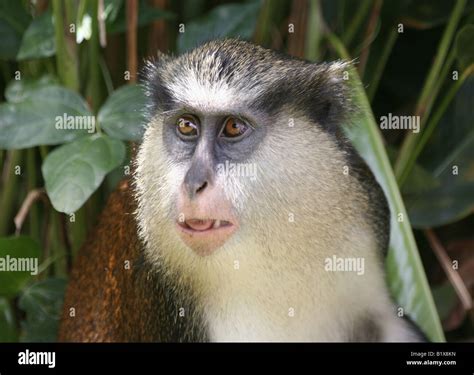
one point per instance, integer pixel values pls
(172, 111)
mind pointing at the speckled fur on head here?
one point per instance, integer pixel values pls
(252, 76)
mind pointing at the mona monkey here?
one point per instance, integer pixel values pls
(238, 206)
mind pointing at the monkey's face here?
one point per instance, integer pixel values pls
(234, 155)
(209, 162)
(203, 146)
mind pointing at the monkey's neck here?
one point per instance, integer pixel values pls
(251, 296)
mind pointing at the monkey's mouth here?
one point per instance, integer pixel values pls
(199, 225)
(204, 236)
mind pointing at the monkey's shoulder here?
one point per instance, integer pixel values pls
(108, 283)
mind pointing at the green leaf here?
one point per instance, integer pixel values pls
(406, 277)
(7, 322)
(42, 303)
(19, 90)
(229, 20)
(112, 9)
(32, 122)
(448, 163)
(38, 40)
(426, 14)
(17, 253)
(445, 298)
(117, 23)
(13, 22)
(464, 46)
(122, 115)
(74, 171)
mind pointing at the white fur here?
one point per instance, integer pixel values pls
(281, 263)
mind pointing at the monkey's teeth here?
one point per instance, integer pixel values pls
(217, 224)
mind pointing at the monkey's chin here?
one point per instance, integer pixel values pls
(206, 237)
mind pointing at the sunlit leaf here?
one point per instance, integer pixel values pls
(32, 122)
(122, 115)
(72, 172)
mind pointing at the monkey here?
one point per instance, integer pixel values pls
(246, 214)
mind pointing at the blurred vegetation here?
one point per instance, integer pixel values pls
(81, 57)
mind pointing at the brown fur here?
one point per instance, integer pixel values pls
(112, 303)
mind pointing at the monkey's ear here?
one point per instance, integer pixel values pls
(331, 90)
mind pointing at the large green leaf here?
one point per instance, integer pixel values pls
(7, 322)
(406, 277)
(32, 122)
(72, 172)
(38, 40)
(446, 193)
(13, 22)
(18, 90)
(122, 115)
(42, 303)
(18, 252)
(230, 20)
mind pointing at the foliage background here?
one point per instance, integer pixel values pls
(81, 57)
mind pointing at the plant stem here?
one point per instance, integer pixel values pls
(33, 214)
(106, 74)
(423, 106)
(364, 7)
(369, 36)
(132, 17)
(338, 46)
(77, 229)
(377, 75)
(271, 13)
(66, 58)
(94, 90)
(56, 246)
(313, 31)
(10, 187)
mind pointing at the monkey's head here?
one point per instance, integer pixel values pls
(243, 154)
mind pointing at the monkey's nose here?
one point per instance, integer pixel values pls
(198, 178)
(197, 188)
(194, 187)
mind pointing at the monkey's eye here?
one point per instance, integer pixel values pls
(187, 126)
(234, 128)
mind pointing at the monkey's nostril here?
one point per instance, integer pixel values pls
(202, 187)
